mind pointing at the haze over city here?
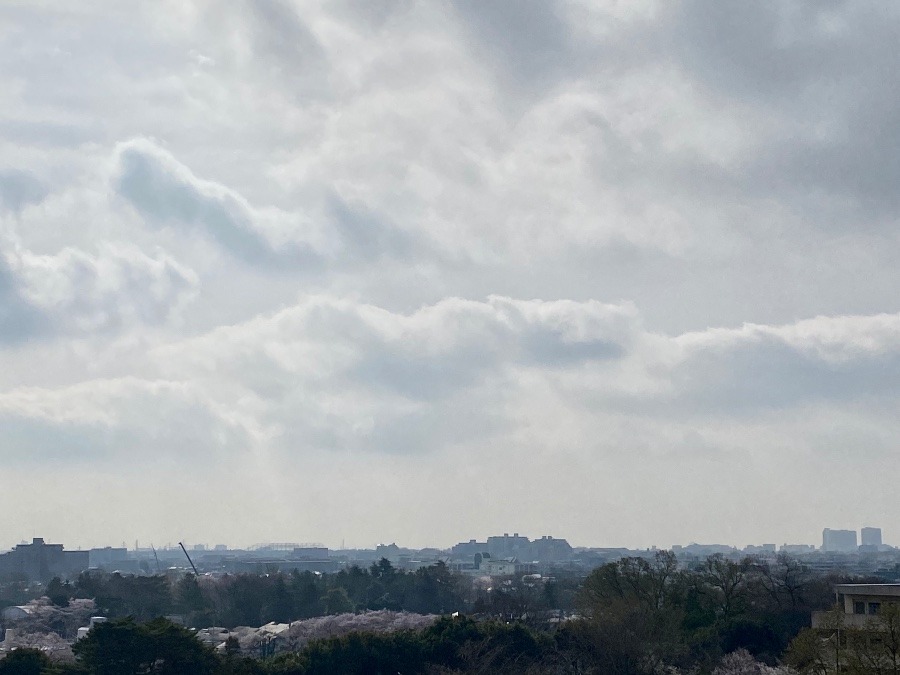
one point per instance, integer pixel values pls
(363, 272)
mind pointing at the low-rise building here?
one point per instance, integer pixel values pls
(858, 604)
(498, 567)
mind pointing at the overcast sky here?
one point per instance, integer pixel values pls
(366, 271)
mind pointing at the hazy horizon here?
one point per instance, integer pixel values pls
(387, 270)
(338, 546)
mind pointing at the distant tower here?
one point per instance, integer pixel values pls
(870, 536)
(841, 541)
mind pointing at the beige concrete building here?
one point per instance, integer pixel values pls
(859, 602)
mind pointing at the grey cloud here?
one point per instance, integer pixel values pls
(365, 234)
(421, 376)
(285, 52)
(829, 73)
(33, 442)
(332, 374)
(111, 420)
(766, 49)
(545, 348)
(772, 375)
(787, 55)
(529, 42)
(837, 359)
(165, 195)
(815, 84)
(849, 181)
(46, 133)
(283, 35)
(385, 426)
(19, 320)
(426, 355)
(18, 189)
(459, 421)
(455, 344)
(372, 14)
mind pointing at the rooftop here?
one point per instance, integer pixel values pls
(868, 589)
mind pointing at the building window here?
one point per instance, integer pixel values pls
(874, 607)
(859, 607)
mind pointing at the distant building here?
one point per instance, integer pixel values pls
(389, 551)
(838, 541)
(870, 536)
(286, 566)
(432, 554)
(508, 547)
(468, 549)
(310, 553)
(547, 549)
(797, 549)
(762, 549)
(703, 550)
(38, 561)
(108, 558)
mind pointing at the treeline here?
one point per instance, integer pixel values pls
(453, 645)
(256, 599)
(253, 600)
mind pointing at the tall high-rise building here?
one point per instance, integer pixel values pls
(870, 536)
(838, 541)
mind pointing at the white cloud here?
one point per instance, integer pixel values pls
(338, 373)
(833, 340)
(119, 287)
(332, 385)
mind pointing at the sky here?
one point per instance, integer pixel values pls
(373, 271)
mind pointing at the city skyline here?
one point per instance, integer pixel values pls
(622, 273)
(211, 545)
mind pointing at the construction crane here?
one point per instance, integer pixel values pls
(196, 573)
